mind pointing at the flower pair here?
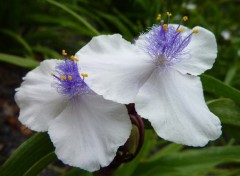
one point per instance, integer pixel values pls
(85, 115)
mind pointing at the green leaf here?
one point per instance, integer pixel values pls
(189, 162)
(226, 110)
(218, 88)
(231, 74)
(115, 21)
(19, 61)
(47, 52)
(75, 15)
(171, 148)
(20, 40)
(44, 19)
(78, 172)
(41, 164)
(33, 155)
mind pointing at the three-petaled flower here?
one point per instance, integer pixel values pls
(159, 73)
(85, 128)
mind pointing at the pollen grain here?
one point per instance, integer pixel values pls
(84, 75)
(63, 77)
(73, 58)
(185, 18)
(165, 27)
(158, 18)
(180, 30)
(169, 14)
(64, 53)
(195, 31)
(69, 77)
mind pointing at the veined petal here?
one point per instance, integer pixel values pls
(116, 68)
(89, 131)
(202, 51)
(38, 101)
(175, 106)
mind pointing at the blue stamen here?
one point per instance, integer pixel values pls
(166, 45)
(68, 81)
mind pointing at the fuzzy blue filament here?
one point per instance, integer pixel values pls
(68, 81)
(166, 43)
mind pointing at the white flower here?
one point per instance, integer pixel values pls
(159, 74)
(226, 34)
(85, 129)
(189, 6)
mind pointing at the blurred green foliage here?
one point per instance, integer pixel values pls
(40, 29)
(35, 30)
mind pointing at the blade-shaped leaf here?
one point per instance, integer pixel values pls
(189, 162)
(75, 15)
(18, 38)
(19, 61)
(28, 155)
(41, 164)
(215, 86)
(226, 110)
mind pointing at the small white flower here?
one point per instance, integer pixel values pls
(189, 6)
(226, 34)
(159, 74)
(85, 129)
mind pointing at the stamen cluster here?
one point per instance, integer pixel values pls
(166, 43)
(67, 78)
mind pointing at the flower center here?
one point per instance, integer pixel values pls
(166, 43)
(68, 81)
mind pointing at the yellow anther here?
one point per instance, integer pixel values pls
(185, 18)
(69, 78)
(165, 27)
(52, 74)
(195, 31)
(180, 30)
(73, 58)
(63, 77)
(169, 14)
(84, 75)
(64, 53)
(158, 17)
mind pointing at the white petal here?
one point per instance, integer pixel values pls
(116, 68)
(175, 106)
(203, 52)
(89, 131)
(38, 101)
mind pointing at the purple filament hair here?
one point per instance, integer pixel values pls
(68, 81)
(166, 44)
